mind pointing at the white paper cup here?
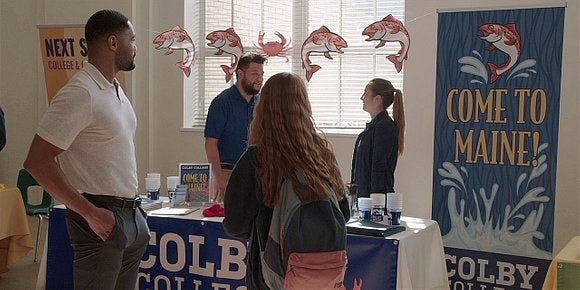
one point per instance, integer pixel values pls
(172, 182)
(395, 207)
(378, 199)
(152, 183)
(156, 175)
(365, 203)
(394, 201)
(365, 206)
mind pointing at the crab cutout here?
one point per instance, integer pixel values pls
(274, 48)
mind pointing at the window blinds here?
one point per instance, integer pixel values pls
(334, 90)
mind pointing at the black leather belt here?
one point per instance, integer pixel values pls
(227, 166)
(122, 202)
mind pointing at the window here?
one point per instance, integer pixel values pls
(334, 90)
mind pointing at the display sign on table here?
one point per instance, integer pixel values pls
(197, 178)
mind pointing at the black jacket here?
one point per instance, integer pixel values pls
(244, 211)
(375, 157)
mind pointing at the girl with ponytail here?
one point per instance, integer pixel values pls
(379, 145)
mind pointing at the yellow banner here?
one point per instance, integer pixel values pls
(64, 50)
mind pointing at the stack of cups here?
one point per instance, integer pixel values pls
(378, 207)
(395, 207)
(365, 206)
(180, 195)
(152, 185)
(172, 182)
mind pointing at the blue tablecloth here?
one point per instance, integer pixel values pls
(192, 252)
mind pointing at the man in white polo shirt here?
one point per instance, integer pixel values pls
(90, 128)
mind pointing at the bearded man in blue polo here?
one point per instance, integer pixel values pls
(228, 119)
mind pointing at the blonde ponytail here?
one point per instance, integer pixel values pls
(399, 118)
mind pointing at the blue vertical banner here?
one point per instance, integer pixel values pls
(496, 140)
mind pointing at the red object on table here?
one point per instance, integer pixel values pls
(215, 210)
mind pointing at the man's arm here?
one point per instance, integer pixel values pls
(42, 166)
(213, 157)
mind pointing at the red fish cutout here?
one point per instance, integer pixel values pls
(390, 29)
(321, 40)
(177, 38)
(229, 42)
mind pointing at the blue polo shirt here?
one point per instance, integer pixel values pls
(228, 119)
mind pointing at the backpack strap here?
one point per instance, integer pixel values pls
(302, 185)
(332, 197)
(271, 254)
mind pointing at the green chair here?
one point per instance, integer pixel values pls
(25, 180)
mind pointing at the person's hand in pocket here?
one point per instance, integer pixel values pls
(102, 221)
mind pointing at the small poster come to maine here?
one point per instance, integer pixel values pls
(197, 178)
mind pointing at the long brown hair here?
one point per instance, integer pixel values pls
(393, 96)
(287, 141)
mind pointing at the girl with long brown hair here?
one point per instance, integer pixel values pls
(377, 148)
(283, 140)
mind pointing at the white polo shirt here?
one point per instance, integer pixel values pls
(95, 125)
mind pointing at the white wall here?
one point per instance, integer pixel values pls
(22, 90)
(19, 78)
(156, 89)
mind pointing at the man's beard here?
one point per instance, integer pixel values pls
(249, 88)
(130, 67)
(127, 65)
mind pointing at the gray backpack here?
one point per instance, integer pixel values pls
(306, 245)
